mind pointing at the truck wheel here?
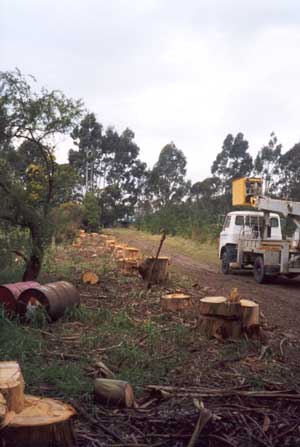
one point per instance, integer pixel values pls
(259, 270)
(225, 263)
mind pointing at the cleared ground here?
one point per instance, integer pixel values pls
(121, 324)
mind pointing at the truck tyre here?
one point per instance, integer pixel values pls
(259, 270)
(225, 262)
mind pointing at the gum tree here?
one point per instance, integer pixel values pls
(37, 118)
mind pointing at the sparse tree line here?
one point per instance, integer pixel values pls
(105, 182)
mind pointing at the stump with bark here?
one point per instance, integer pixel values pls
(28, 420)
(155, 270)
(116, 393)
(222, 318)
(176, 301)
(131, 253)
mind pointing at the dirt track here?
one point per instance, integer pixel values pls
(279, 300)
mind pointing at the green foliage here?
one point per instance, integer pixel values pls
(66, 220)
(91, 212)
(167, 184)
(30, 121)
(233, 161)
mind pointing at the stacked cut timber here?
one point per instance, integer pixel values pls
(31, 421)
(221, 318)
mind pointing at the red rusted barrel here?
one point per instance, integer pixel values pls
(9, 294)
(56, 297)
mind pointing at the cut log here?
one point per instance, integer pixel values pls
(175, 301)
(12, 386)
(43, 422)
(159, 273)
(220, 328)
(220, 306)
(128, 264)
(250, 313)
(104, 370)
(117, 393)
(90, 277)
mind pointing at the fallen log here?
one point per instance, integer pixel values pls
(90, 277)
(175, 301)
(116, 393)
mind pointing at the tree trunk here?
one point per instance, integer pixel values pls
(34, 263)
(33, 268)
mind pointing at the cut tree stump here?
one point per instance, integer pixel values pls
(117, 393)
(220, 306)
(31, 421)
(155, 270)
(131, 253)
(220, 328)
(12, 386)
(175, 301)
(227, 318)
(90, 277)
(43, 422)
(250, 313)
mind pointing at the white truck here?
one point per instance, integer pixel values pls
(253, 239)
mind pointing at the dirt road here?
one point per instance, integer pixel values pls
(279, 300)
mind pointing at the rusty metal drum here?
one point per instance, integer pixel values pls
(56, 297)
(9, 294)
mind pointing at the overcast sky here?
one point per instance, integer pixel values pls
(185, 71)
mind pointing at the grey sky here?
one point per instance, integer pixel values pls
(189, 72)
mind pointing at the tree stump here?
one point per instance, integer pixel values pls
(31, 421)
(131, 253)
(12, 386)
(90, 278)
(119, 251)
(155, 270)
(219, 306)
(128, 264)
(43, 422)
(250, 313)
(223, 318)
(175, 301)
(117, 393)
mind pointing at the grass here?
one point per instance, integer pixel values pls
(205, 252)
(120, 323)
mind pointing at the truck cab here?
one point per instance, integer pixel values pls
(244, 224)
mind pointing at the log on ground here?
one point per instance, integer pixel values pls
(90, 277)
(116, 393)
